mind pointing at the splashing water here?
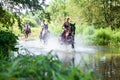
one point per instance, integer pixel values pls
(65, 52)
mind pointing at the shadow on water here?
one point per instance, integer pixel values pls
(103, 60)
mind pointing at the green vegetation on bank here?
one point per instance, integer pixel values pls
(8, 40)
(107, 37)
(41, 67)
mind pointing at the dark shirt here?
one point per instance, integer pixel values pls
(66, 26)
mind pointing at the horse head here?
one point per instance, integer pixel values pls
(44, 35)
(72, 29)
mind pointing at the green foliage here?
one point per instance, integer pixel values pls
(7, 42)
(37, 20)
(18, 20)
(111, 10)
(6, 18)
(41, 67)
(117, 37)
(55, 28)
(9, 13)
(29, 21)
(101, 13)
(44, 15)
(102, 37)
(57, 10)
(115, 40)
(88, 31)
(31, 4)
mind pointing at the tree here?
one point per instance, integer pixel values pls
(57, 10)
(11, 9)
(10, 12)
(101, 13)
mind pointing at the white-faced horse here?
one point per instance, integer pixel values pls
(44, 35)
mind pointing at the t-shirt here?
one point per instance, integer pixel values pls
(65, 25)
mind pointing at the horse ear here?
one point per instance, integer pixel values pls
(74, 23)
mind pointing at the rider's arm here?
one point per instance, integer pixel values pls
(63, 26)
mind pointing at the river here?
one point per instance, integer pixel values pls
(87, 57)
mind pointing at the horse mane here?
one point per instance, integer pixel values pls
(72, 27)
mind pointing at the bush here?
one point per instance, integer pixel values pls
(55, 28)
(49, 67)
(115, 40)
(31, 22)
(7, 42)
(102, 37)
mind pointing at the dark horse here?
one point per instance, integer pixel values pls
(44, 34)
(27, 31)
(69, 36)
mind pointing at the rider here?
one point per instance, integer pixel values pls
(27, 29)
(43, 26)
(65, 27)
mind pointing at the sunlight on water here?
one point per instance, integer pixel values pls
(64, 52)
(82, 55)
(54, 44)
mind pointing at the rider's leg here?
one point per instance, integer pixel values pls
(63, 34)
(73, 41)
(27, 34)
(72, 45)
(41, 33)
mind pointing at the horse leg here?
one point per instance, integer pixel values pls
(25, 35)
(72, 42)
(41, 35)
(72, 45)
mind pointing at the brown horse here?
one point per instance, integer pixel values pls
(27, 31)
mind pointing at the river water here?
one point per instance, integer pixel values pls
(64, 52)
(94, 58)
(87, 57)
